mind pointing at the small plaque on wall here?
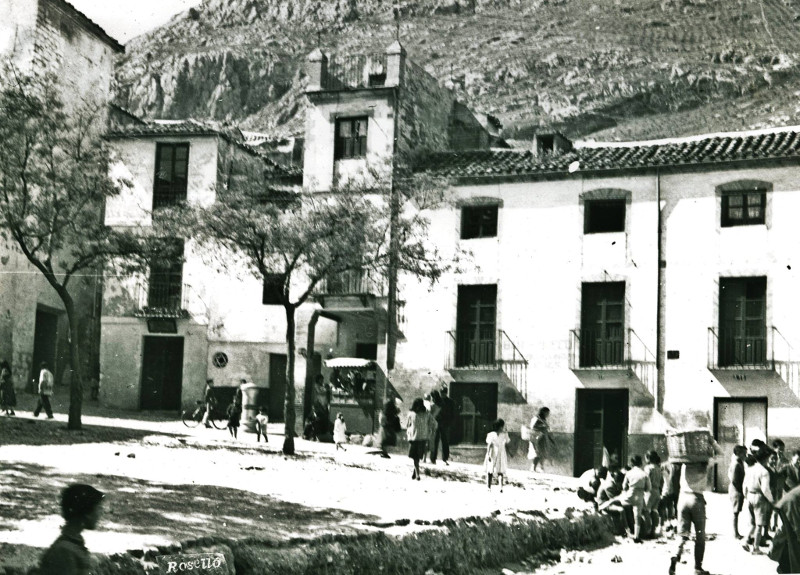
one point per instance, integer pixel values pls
(162, 325)
(673, 354)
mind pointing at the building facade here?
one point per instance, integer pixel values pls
(50, 36)
(648, 286)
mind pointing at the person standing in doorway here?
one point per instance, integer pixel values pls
(541, 439)
(8, 397)
(46, 383)
(81, 506)
(444, 421)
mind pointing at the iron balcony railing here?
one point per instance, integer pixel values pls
(729, 348)
(355, 71)
(487, 348)
(161, 297)
(353, 282)
(624, 349)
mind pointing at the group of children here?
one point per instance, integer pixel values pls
(759, 477)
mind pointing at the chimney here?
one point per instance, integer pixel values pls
(395, 64)
(316, 70)
(550, 144)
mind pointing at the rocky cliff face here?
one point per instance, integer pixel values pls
(615, 69)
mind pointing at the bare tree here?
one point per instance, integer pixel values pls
(54, 180)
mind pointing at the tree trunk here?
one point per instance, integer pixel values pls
(288, 408)
(76, 381)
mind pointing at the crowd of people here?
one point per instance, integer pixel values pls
(650, 498)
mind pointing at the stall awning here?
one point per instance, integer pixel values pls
(348, 362)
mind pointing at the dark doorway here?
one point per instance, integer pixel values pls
(475, 325)
(742, 321)
(277, 386)
(45, 344)
(601, 421)
(367, 350)
(737, 421)
(162, 372)
(602, 324)
(476, 406)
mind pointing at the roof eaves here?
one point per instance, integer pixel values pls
(92, 25)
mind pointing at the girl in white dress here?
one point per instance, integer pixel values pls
(339, 432)
(496, 461)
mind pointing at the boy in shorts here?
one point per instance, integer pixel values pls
(759, 497)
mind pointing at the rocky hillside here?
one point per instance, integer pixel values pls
(609, 69)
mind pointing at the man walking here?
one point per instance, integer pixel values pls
(444, 421)
(692, 510)
(46, 383)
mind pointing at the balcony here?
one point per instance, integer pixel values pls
(161, 299)
(625, 350)
(730, 349)
(489, 349)
(355, 71)
(357, 288)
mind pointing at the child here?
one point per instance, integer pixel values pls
(81, 506)
(759, 496)
(653, 497)
(496, 461)
(261, 425)
(339, 432)
(736, 485)
(234, 415)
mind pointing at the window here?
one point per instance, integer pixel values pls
(602, 337)
(476, 322)
(172, 166)
(273, 289)
(166, 280)
(743, 208)
(603, 216)
(742, 321)
(351, 138)
(478, 222)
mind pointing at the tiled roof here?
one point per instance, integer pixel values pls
(711, 149)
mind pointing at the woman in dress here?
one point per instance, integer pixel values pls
(8, 397)
(417, 426)
(541, 440)
(496, 461)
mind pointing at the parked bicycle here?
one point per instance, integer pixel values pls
(218, 417)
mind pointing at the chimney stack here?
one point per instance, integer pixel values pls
(316, 70)
(395, 64)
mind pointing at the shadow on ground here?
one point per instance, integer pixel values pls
(175, 512)
(18, 431)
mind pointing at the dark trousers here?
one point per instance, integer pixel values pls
(443, 433)
(44, 401)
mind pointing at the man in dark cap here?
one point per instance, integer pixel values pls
(80, 506)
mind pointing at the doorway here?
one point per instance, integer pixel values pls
(277, 386)
(602, 324)
(737, 422)
(476, 318)
(162, 373)
(601, 421)
(742, 321)
(476, 406)
(45, 344)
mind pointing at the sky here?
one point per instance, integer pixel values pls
(123, 19)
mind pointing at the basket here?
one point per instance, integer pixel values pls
(689, 446)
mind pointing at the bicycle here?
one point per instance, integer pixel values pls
(193, 418)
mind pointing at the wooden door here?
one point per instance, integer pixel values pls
(475, 325)
(742, 321)
(162, 373)
(476, 410)
(277, 386)
(45, 343)
(737, 422)
(602, 324)
(601, 421)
